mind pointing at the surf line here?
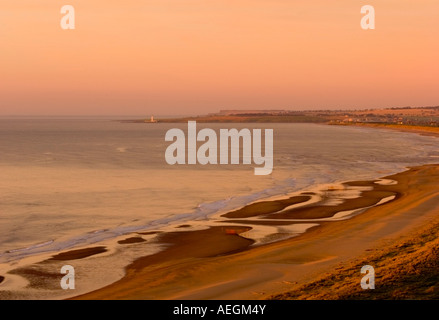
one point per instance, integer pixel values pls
(207, 153)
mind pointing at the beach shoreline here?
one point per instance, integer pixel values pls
(224, 262)
(232, 271)
(267, 249)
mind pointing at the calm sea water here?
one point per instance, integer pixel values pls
(65, 183)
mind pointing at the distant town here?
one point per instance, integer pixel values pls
(407, 116)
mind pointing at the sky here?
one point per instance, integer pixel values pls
(177, 57)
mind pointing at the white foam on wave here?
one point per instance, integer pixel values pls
(201, 213)
(386, 182)
(35, 246)
(264, 234)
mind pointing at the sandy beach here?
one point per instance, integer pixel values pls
(217, 263)
(308, 244)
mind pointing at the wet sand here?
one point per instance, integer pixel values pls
(220, 263)
(78, 254)
(131, 240)
(265, 207)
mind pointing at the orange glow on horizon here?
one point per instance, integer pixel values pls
(175, 57)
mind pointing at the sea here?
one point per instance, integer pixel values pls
(72, 182)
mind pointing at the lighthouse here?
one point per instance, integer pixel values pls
(152, 120)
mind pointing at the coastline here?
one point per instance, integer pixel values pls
(227, 260)
(422, 130)
(215, 264)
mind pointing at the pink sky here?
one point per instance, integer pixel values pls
(142, 57)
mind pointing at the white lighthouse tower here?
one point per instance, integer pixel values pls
(152, 120)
